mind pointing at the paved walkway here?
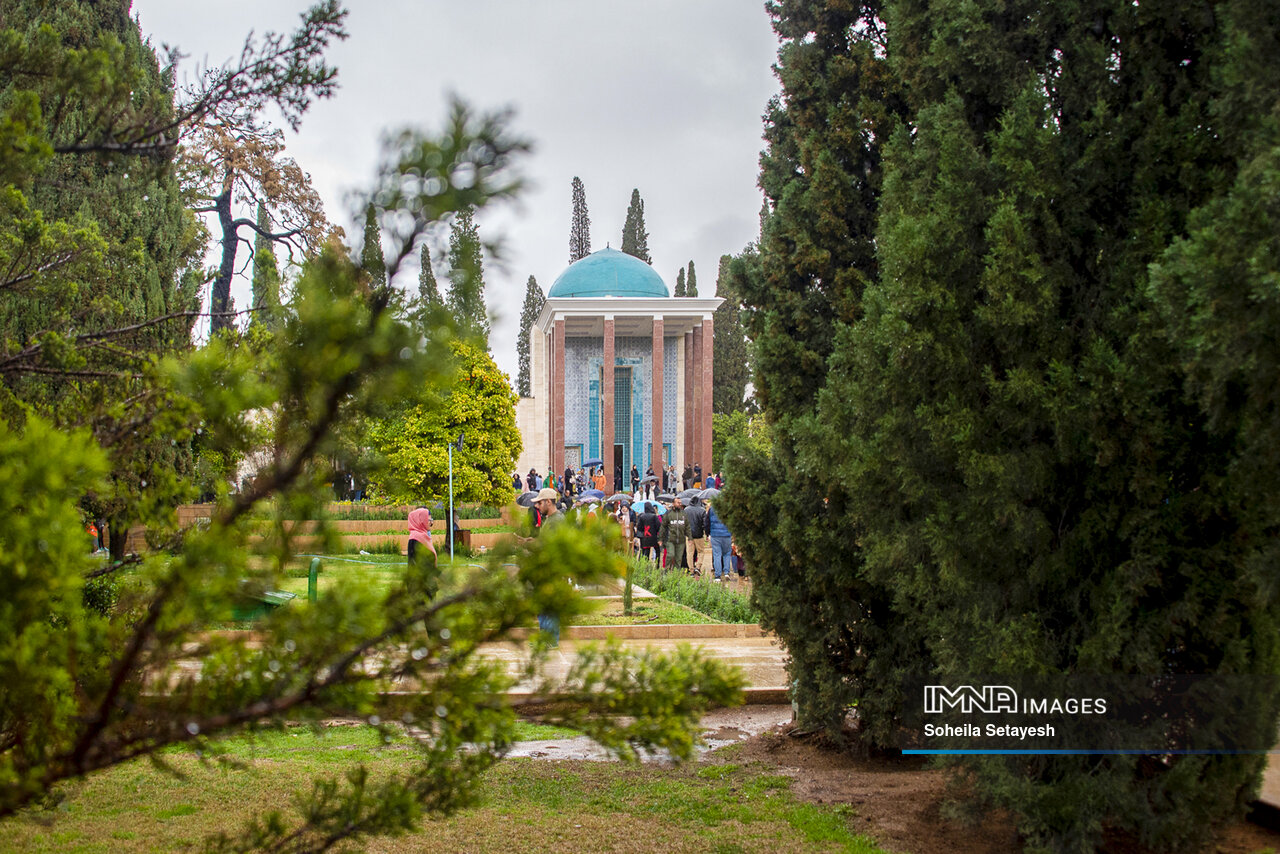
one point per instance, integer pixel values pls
(760, 657)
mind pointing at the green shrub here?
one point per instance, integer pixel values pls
(714, 600)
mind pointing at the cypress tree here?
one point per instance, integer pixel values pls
(788, 510)
(635, 240)
(533, 302)
(371, 258)
(1041, 397)
(466, 277)
(680, 288)
(731, 360)
(266, 275)
(580, 228)
(691, 282)
(428, 290)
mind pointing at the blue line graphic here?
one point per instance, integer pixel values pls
(1119, 752)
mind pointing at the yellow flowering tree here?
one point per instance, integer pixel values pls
(481, 407)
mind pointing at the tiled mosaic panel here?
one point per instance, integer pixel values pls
(582, 365)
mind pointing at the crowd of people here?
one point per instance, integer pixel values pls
(667, 518)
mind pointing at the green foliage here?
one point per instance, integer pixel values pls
(1009, 310)
(731, 359)
(729, 429)
(580, 227)
(680, 286)
(86, 691)
(466, 278)
(714, 600)
(428, 290)
(635, 239)
(533, 302)
(371, 259)
(415, 442)
(266, 275)
(691, 282)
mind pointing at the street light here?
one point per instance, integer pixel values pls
(449, 522)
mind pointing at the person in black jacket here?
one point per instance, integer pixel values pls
(699, 546)
(635, 478)
(648, 526)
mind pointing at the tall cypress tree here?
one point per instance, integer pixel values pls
(266, 275)
(428, 290)
(635, 239)
(1029, 381)
(730, 358)
(371, 258)
(466, 277)
(533, 302)
(691, 282)
(680, 287)
(580, 227)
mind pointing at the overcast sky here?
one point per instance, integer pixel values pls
(660, 95)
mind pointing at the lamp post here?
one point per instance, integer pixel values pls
(449, 522)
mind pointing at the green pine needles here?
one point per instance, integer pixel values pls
(1007, 311)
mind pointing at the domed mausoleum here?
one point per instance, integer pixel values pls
(652, 407)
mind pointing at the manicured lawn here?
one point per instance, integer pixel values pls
(381, 571)
(525, 805)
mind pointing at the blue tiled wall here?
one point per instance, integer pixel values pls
(583, 358)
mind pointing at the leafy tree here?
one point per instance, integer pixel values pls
(230, 157)
(428, 290)
(635, 239)
(266, 275)
(681, 291)
(734, 427)
(731, 364)
(479, 404)
(1036, 409)
(691, 282)
(92, 246)
(371, 260)
(89, 687)
(580, 229)
(533, 302)
(466, 278)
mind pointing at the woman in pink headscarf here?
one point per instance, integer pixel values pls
(420, 533)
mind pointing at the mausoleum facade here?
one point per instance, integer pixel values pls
(653, 407)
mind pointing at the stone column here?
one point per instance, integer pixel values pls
(557, 400)
(698, 398)
(686, 453)
(708, 383)
(606, 408)
(655, 411)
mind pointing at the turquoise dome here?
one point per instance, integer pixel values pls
(608, 273)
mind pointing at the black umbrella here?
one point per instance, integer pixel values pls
(527, 499)
(649, 478)
(667, 497)
(590, 464)
(710, 494)
(690, 493)
(619, 496)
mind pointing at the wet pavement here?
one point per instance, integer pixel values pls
(761, 659)
(720, 727)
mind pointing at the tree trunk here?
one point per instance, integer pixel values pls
(118, 535)
(220, 298)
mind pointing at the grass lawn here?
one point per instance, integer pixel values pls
(380, 571)
(525, 805)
